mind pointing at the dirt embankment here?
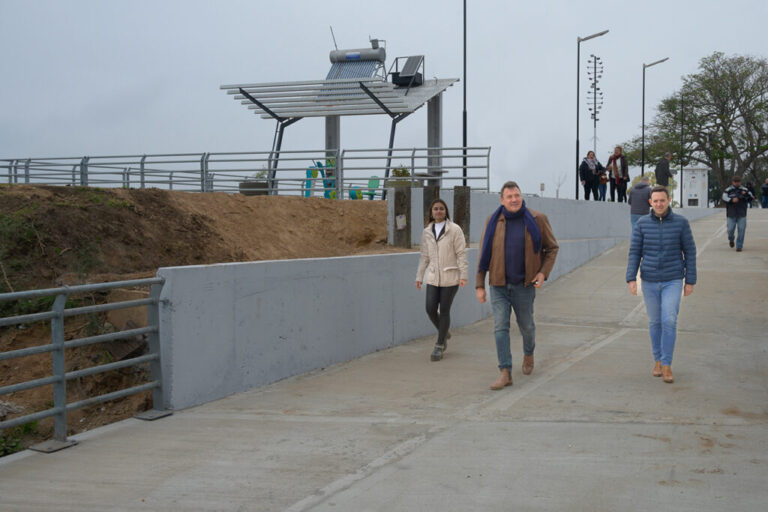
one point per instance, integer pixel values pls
(71, 235)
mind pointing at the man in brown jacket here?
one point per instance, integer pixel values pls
(518, 251)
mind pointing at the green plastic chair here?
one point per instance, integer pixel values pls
(373, 184)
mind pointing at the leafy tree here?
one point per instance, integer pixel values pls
(725, 121)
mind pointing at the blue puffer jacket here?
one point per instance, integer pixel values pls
(666, 247)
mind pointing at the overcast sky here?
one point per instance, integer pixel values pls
(101, 77)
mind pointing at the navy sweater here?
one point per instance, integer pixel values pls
(663, 248)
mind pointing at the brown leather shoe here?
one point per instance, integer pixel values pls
(666, 373)
(657, 369)
(527, 364)
(504, 380)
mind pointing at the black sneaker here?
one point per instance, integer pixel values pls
(730, 242)
(437, 353)
(738, 249)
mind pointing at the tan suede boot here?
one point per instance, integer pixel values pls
(504, 380)
(527, 364)
(657, 369)
(666, 373)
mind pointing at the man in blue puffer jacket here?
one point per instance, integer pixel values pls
(662, 246)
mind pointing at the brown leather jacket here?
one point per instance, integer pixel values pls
(534, 263)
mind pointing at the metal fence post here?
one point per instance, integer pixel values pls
(59, 440)
(141, 169)
(339, 176)
(153, 342)
(74, 175)
(203, 174)
(84, 171)
(26, 170)
(210, 177)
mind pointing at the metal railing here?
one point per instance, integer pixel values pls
(349, 173)
(58, 346)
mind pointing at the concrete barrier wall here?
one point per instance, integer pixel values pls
(231, 327)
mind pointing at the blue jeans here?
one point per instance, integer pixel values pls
(601, 188)
(633, 218)
(503, 300)
(662, 303)
(732, 223)
(764, 200)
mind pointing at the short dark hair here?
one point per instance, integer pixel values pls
(736, 178)
(433, 203)
(509, 184)
(660, 188)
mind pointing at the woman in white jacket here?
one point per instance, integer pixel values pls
(444, 259)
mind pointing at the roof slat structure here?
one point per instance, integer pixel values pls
(345, 96)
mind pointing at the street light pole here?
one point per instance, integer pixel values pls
(578, 65)
(642, 150)
(464, 139)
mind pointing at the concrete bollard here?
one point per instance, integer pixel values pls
(402, 206)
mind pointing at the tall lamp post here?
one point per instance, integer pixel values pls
(578, 92)
(464, 119)
(642, 150)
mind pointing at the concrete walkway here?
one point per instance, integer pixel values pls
(589, 430)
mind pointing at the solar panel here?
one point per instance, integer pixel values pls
(411, 66)
(352, 69)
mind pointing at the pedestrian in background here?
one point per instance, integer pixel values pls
(640, 200)
(589, 172)
(662, 246)
(517, 251)
(663, 174)
(736, 198)
(618, 170)
(764, 192)
(752, 193)
(602, 183)
(444, 261)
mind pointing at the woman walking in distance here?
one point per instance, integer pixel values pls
(619, 172)
(589, 174)
(444, 260)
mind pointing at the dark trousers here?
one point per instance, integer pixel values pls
(621, 192)
(590, 186)
(613, 189)
(439, 300)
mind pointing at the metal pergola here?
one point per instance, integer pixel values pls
(288, 102)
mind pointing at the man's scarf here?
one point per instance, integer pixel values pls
(490, 231)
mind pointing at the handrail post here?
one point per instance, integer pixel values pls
(59, 440)
(141, 169)
(84, 171)
(59, 369)
(26, 170)
(153, 342)
(203, 175)
(339, 175)
(209, 176)
(74, 175)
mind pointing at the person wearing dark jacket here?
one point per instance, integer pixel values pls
(662, 170)
(517, 252)
(589, 173)
(736, 198)
(618, 170)
(640, 200)
(662, 246)
(764, 192)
